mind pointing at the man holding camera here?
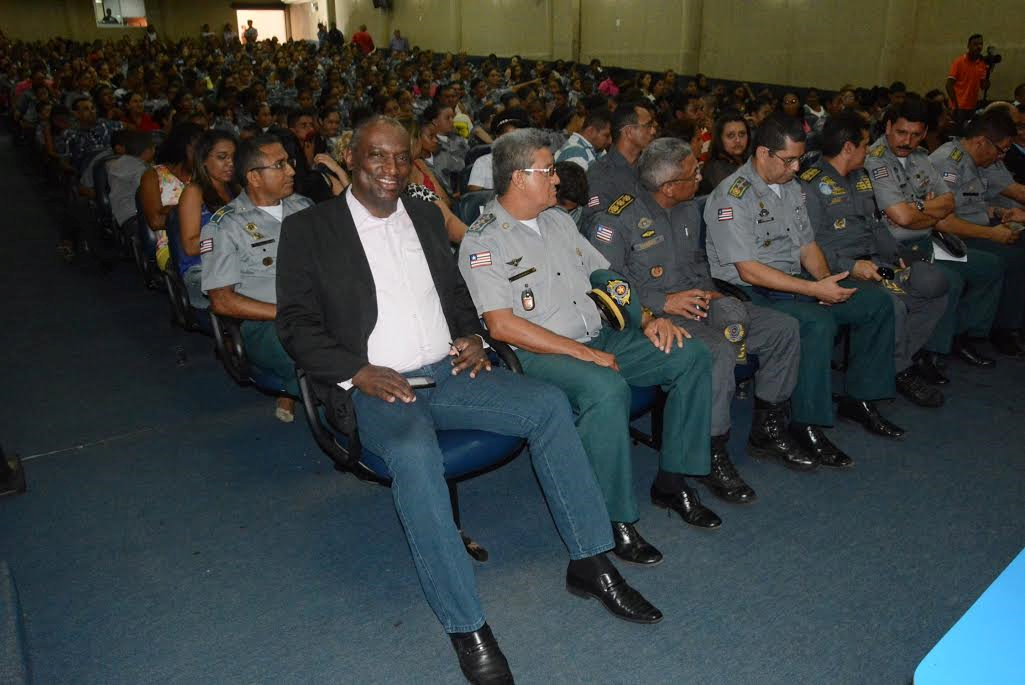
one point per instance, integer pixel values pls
(969, 74)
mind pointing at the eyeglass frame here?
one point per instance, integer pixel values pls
(277, 166)
(549, 172)
(788, 162)
(1001, 151)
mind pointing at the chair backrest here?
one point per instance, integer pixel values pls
(474, 153)
(471, 203)
(229, 348)
(101, 186)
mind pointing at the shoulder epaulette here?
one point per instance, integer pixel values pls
(811, 173)
(482, 221)
(956, 155)
(739, 187)
(878, 150)
(221, 213)
(620, 203)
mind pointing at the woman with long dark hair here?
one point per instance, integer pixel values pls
(162, 185)
(731, 146)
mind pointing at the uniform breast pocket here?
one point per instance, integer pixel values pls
(647, 258)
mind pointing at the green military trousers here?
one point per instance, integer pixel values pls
(870, 368)
(264, 351)
(601, 397)
(1010, 311)
(973, 296)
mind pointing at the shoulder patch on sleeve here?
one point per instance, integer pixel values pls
(620, 203)
(482, 221)
(221, 213)
(956, 155)
(878, 150)
(739, 187)
(810, 174)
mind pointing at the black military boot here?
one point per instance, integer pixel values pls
(770, 438)
(723, 479)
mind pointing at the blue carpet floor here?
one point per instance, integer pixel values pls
(174, 532)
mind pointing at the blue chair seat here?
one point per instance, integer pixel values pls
(642, 400)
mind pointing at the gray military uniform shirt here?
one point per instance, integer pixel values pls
(607, 178)
(542, 278)
(658, 250)
(894, 182)
(842, 211)
(998, 178)
(964, 178)
(748, 222)
(239, 247)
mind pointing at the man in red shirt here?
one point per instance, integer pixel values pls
(968, 74)
(362, 40)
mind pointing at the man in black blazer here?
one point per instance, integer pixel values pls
(372, 306)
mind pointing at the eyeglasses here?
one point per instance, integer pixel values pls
(277, 166)
(787, 161)
(683, 179)
(1001, 151)
(651, 125)
(547, 171)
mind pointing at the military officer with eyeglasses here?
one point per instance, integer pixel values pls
(529, 271)
(239, 250)
(761, 239)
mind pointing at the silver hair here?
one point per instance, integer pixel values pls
(514, 151)
(660, 161)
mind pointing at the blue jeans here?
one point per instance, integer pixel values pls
(403, 435)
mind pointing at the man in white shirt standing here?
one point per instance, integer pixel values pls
(370, 301)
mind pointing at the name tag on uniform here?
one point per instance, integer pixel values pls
(522, 274)
(639, 247)
(766, 220)
(268, 241)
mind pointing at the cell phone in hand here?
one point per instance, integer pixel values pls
(418, 382)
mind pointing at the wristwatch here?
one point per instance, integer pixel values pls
(919, 205)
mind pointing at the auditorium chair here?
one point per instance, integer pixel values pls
(183, 313)
(144, 249)
(467, 453)
(470, 205)
(230, 349)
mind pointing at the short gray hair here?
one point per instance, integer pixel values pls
(660, 161)
(514, 151)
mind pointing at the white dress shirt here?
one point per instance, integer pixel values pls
(411, 329)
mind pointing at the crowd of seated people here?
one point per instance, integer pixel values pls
(307, 179)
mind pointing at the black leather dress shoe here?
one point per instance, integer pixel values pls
(911, 386)
(480, 658)
(615, 594)
(1006, 343)
(769, 438)
(630, 546)
(868, 416)
(930, 369)
(723, 479)
(967, 353)
(814, 440)
(688, 505)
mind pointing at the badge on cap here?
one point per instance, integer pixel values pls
(619, 290)
(656, 271)
(527, 299)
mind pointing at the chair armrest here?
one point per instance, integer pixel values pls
(346, 459)
(228, 346)
(505, 354)
(731, 290)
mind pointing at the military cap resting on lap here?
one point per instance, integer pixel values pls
(760, 238)
(841, 207)
(529, 269)
(651, 234)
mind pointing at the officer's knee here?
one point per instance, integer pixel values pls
(818, 330)
(604, 387)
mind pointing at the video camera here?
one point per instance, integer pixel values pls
(991, 57)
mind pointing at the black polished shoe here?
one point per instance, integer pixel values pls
(480, 658)
(769, 438)
(929, 368)
(868, 416)
(967, 353)
(911, 386)
(688, 505)
(615, 594)
(814, 440)
(1006, 343)
(723, 479)
(630, 546)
